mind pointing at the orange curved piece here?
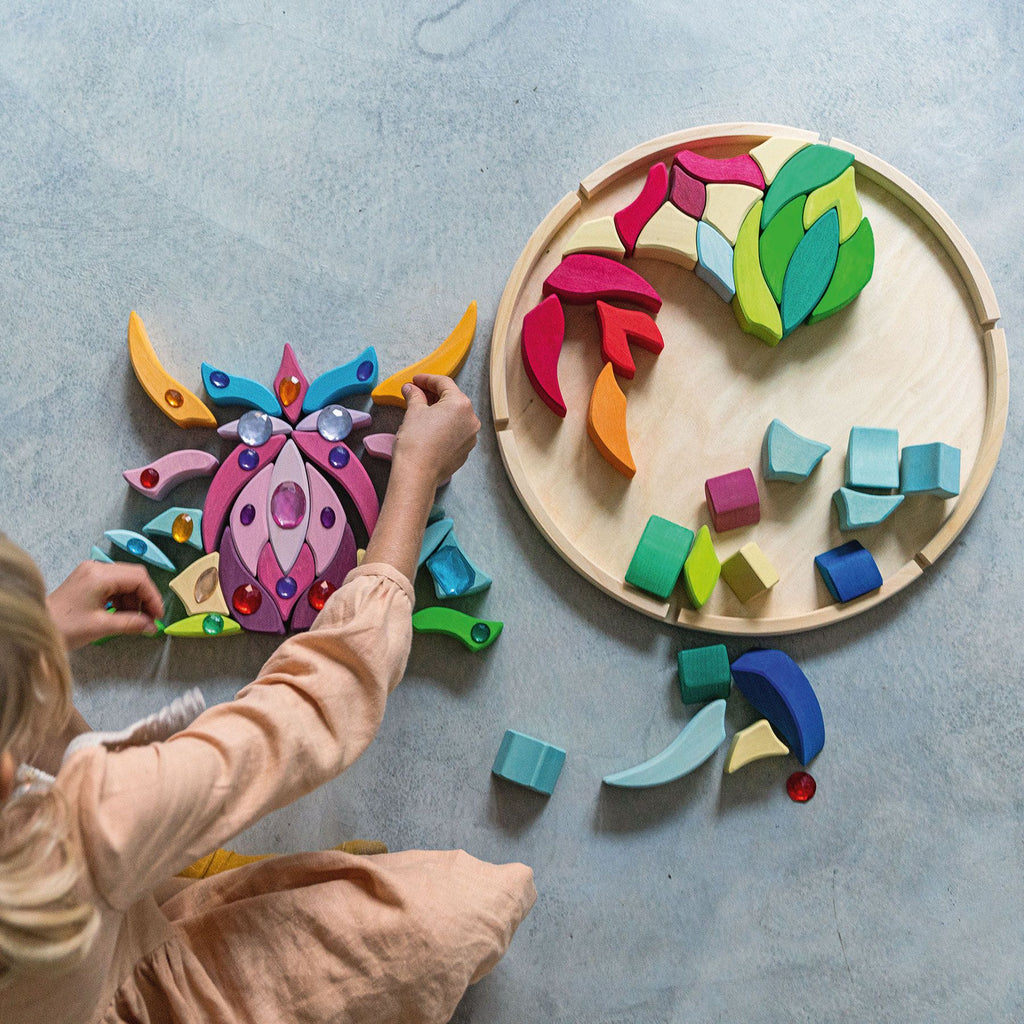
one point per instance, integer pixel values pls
(606, 422)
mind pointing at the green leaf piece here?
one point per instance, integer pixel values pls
(756, 309)
(475, 634)
(810, 270)
(802, 173)
(204, 626)
(854, 266)
(701, 569)
(778, 243)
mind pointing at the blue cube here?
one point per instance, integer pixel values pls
(930, 469)
(528, 762)
(873, 459)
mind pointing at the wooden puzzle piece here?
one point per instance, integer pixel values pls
(543, 333)
(778, 242)
(840, 195)
(808, 169)
(286, 585)
(528, 762)
(701, 569)
(630, 221)
(854, 266)
(735, 170)
(137, 545)
(704, 674)
(474, 634)
(659, 556)
(359, 418)
(686, 192)
(749, 573)
(733, 500)
(786, 455)
(755, 742)
(326, 520)
(312, 600)
(453, 573)
(670, 235)
(776, 687)
(446, 359)
(96, 555)
(229, 431)
(598, 236)
(183, 525)
(172, 398)
(701, 737)
(356, 377)
(583, 278)
(248, 599)
(290, 385)
(198, 587)
(206, 627)
(848, 571)
(248, 519)
(930, 469)
(379, 446)
(727, 207)
(619, 327)
(754, 305)
(232, 389)
(858, 511)
(873, 459)
(810, 270)
(606, 422)
(714, 261)
(164, 474)
(288, 508)
(338, 461)
(433, 536)
(773, 153)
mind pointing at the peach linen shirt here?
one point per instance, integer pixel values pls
(309, 937)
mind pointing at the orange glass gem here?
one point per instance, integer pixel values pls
(174, 398)
(288, 390)
(181, 528)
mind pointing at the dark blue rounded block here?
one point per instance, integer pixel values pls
(849, 571)
(775, 685)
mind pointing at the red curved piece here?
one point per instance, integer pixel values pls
(352, 475)
(687, 193)
(630, 221)
(736, 170)
(584, 277)
(621, 326)
(290, 369)
(340, 566)
(543, 333)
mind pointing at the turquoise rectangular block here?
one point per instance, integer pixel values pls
(873, 459)
(528, 762)
(704, 674)
(930, 469)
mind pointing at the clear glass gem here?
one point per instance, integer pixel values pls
(334, 423)
(289, 389)
(174, 398)
(213, 624)
(136, 546)
(255, 428)
(181, 528)
(364, 371)
(247, 515)
(327, 517)
(480, 633)
(219, 379)
(248, 459)
(286, 588)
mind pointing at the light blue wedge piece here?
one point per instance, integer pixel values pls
(357, 377)
(230, 389)
(930, 469)
(137, 545)
(858, 510)
(453, 573)
(787, 455)
(703, 735)
(715, 260)
(528, 762)
(433, 537)
(95, 555)
(163, 525)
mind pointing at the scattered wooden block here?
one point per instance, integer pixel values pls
(659, 556)
(630, 221)
(848, 571)
(772, 154)
(774, 684)
(606, 422)
(858, 511)
(930, 469)
(290, 385)
(704, 674)
(621, 326)
(873, 459)
(453, 573)
(778, 242)
(727, 206)
(754, 305)
(733, 500)
(806, 170)
(137, 545)
(339, 462)
(714, 261)
(232, 389)
(543, 333)
(182, 525)
(528, 762)
(701, 569)
(356, 377)
(686, 192)
(737, 170)
(474, 634)
(597, 236)
(787, 455)
(164, 474)
(671, 236)
(582, 278)
(840, 195)
(755, 742)
(749, 573)
(207, 626)
(701, 737)
(810, 271)
(198, 586)
(854, 266)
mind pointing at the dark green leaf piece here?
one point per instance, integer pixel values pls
(803, 172)
(853, 270)
(778, 243)
(810, 270)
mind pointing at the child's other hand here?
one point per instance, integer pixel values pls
(440, 426)
(78, 606)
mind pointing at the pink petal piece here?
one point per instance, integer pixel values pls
(233, 574)
(687, 193)
(379, 446)
(279, 583)
(326, 519)
(346, 469)
(249, 529)
(288, 507)
(360, 419)
(583, 277)
(163, 475)
(543, 333)
(290, 369)
(735, 170)
(340, 566)
(630, 221)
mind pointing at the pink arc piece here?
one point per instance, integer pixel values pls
(340, 566)
(156, 479)
(251, 538)
(379, 446)
(352, 476)
(733, 500)
(233, 574)
(290, 368)
(301, 576)
(630, 221)
(619, 327)
(287, 510)
(583, 277)
(230, 430)
(736, 170)
(360, 419)
(687, 193)
(230, 479)
(326, 519)
(543, 334)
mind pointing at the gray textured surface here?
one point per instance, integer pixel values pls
(245, 174)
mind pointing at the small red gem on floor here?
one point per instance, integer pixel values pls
(247, 599)
(149, 478)
(800, 786)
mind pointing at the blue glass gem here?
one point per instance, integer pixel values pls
(452, 573)
(249, 459)
(255, 428)
(219, 379)
(339, 457)
(327, 517)
(286, 588)
(364, 371)
(136, 547)
(334, 423)
(247, 515)
(480, 633)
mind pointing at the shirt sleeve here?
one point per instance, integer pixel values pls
(144, 813)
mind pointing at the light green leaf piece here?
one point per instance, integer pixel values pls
(810, 271)
(854, 267)
(753, 303)
(701, 568)
(802, 173)
(207, 627)
(840, 195)
(778, 243)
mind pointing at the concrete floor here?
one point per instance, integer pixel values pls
(245, 174)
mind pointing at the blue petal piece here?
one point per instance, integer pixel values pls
(358, 377)
(229, 389)
(96, 555)
(163, 525)
(715, 261)
(136, 544)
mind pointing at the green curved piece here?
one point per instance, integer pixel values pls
(803, 172)
(840, 195)
(854, 266)
(810, 271)
(475, 634)
(701, 737)
(754, 305)
(207, 626)
(778, 243)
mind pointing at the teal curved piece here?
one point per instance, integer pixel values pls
(433, 538)
(787, 455)
(859, 510)
(453, 573)
(703, 735)
(137, 545)
(163, 525)
(229, 389)
(356, 377)
(810, 270)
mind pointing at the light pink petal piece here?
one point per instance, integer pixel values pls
(166, 473)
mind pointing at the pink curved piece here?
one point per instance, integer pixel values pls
(289, 473)
(301, 575)
(230, 479)
(736, 170)
(583, 277)
(629, 222)
(360, 420)
(352, 476)
(230, 430)
(340, 566)
(233, 574)
(250, 539)
(171, 470)
(379, 446)
(326, 519)
(543, 334)
(687, 193)
(290, 368)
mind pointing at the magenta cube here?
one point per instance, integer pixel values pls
(733, 500)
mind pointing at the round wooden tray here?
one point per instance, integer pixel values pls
(918, 350)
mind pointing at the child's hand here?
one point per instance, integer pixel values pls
(78, 606)
(439, 429)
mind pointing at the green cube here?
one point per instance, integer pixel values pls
(704, 674)
(659, 557)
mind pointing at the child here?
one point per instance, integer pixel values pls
(90, 927)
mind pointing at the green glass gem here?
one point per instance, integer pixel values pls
(213, 624)
(480, 633)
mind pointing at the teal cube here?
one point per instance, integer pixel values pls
(704, 674)
(873, 459)
(528, 762)
(930, 469)
(659, 557)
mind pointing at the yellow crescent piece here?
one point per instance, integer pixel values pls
(170, 397)
(446, 359)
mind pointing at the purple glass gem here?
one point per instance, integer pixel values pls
(219, 379)
(247, 515)
(288, 505)
(286, 588)
(339, 457)
(364, 371)
(327, 517)
(248, 459)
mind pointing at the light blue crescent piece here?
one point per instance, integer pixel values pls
(96, 555)
(137, 545)
(239, 391)
(858, 510)
(715, 261)
(357, 377)
(787, 455)
(163, 525)
(703, 735)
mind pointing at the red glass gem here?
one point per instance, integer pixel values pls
(149, 478)
(800, 786)
(247, 599)
(319, 592)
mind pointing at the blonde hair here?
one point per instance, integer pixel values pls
(44, 923)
